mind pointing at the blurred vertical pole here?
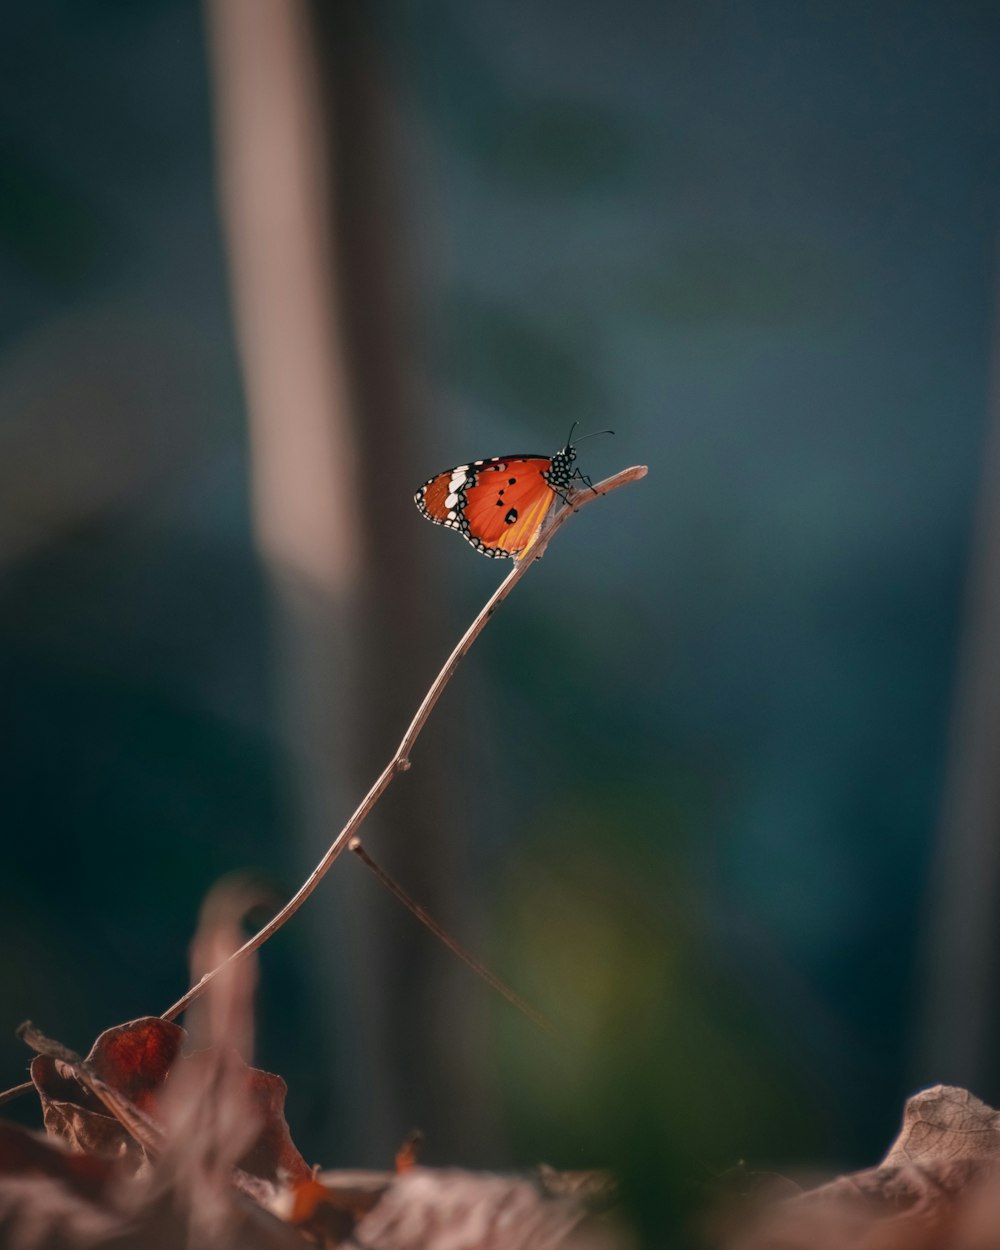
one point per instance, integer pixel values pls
(309, 216)
(304, 457)
(958, 1033)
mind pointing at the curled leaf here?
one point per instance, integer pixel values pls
(945, 1122)
(936, 1189)
(134, 1061)
(130, 1062)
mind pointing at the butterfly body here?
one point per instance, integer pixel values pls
(498, 505)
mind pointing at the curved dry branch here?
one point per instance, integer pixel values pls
(400, 761)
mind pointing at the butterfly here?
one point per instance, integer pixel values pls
(498, 505)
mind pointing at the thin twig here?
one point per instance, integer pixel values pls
(400, 761)
(15, 1091)
(443, 935)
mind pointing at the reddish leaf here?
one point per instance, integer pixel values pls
(135, 1060)
(208, 1131)
(56, 1085)
(271, 1154)
(23, 1153)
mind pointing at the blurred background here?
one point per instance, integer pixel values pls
(718, 789)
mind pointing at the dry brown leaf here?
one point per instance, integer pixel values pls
(104, 1104)
(595, 1188)
(257, 1100)
(936, 1189)
(945, 1122)
(53, 1199)
(189, 1149)
(440, 1209)
(42, 1213)
(218, 1165)
(73, 1112)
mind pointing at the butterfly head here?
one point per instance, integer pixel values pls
(562, 474)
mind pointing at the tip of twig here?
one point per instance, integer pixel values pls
(42, 1045)
(354, 844)
(632, 474)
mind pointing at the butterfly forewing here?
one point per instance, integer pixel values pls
(508, 503)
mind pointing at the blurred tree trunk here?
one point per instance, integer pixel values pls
(308, 201)
(958, 1036)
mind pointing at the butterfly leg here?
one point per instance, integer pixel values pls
(582, 477)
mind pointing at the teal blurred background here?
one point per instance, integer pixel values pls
(689, 792)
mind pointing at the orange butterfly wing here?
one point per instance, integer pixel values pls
(432, 495)
(508, 503)
(497, 505)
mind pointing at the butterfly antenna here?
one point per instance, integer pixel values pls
(594, 435)
(569, 439)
